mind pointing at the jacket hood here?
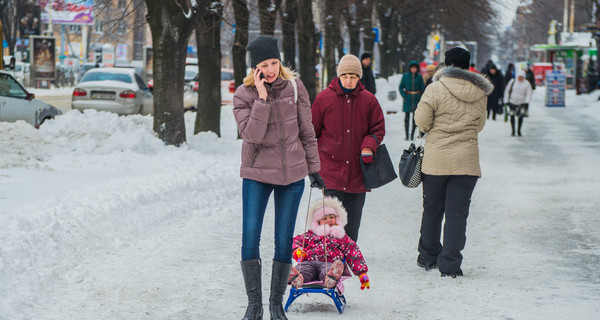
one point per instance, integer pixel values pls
(326, 206)
(413, 63)
(337, 87)
(456, 80)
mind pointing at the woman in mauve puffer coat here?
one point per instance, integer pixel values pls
(279, 150)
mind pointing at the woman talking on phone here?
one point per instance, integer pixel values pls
(279, 150)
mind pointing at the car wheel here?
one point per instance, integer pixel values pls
(44, 120)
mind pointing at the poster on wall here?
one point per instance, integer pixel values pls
(29, 19)
(43, 57)
(72, 12)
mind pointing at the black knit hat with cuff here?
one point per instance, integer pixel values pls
(262, 48)
(458, 57)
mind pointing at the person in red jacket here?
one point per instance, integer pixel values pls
(322, 250)
(345, 117)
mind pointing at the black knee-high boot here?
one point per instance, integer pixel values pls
(251, 269)
(519, 126)
(512, 125)
(279, 278)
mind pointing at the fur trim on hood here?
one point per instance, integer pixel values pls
(457, 73)
(326, 206)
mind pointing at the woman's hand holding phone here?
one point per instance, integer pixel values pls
(259, 82)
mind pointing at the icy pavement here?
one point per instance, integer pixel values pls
(99, 220)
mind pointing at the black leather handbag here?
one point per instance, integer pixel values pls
(410, 166)
(380, 171)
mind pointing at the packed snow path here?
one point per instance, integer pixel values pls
(99, 220)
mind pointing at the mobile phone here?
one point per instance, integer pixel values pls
(261, 76)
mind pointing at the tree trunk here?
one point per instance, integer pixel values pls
(241, 40)
(266, 12)
(386, 18)
(330, 43)
(208, 39)
(288, 28)
(171, 31)
(307, 41)
(350, 17)
(367, 25)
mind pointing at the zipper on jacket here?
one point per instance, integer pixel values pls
(256, 153)
(282, 144)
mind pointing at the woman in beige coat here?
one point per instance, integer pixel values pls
(452, 112)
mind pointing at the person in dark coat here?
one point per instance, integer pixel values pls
(368, 79)
(346, 117)
(497, 81)
(411, 88)
(530, 77)
(592, 73)
(510, 73)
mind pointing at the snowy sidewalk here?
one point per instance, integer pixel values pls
(130, 229)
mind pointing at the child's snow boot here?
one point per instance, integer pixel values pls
(279, 278)
(296, 278)
(251, 270)
(334, 274)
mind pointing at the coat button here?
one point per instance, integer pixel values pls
(344, 188)
(347, 161)
(348, 130)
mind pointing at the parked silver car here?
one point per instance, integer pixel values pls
(18, 104)
(119, 90)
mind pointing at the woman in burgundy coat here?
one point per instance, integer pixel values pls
(345, 117)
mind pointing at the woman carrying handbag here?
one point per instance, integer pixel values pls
(345, 117)
(451, 112)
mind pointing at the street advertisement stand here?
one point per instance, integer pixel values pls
(555, 88)
(43, 58)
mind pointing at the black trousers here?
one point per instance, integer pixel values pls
(407, 117)
(448, 196)
(353, 203)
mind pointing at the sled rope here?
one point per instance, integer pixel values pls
(305, 226)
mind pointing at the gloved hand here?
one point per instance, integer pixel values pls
(316, 181)
(366, 154)
(300, 255)
(364, 281)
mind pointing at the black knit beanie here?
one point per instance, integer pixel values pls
(458, 57)
(262, 48)
(364, 56)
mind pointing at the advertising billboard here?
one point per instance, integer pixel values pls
(67, 11)
(29, 19)
(43, 57)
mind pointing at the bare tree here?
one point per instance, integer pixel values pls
(331, 34)
(366, 12)
(288, 28)
(352, 24)
(9, 15)
(171, 28)
(267, 10)
(242, 14)
(307, 41)
(208, 38)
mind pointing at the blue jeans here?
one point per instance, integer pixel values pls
(255, 196)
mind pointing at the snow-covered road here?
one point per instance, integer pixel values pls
(99, 220)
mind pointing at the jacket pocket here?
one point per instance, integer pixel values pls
(255, 155)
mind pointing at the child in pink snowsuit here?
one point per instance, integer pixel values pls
(328, 218)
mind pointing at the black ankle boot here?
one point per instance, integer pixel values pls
(279, 278)
(251, 270)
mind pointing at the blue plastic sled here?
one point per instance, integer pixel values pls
(336, 293)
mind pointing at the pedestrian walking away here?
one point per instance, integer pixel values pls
(279, 150)
(452, 113)
(517, 95)
(368, 79)
(411, 88)
(345, 118)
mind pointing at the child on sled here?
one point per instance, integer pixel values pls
(327, 218)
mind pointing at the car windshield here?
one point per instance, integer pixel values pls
(190, 74)
(9, 87)
(226, 75)
(106, 76)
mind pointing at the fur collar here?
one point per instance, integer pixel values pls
(457, 73)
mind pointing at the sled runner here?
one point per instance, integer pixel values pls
(336, 293)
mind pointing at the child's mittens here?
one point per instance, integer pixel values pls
(364, 281)
(366, 155)
(299, 255)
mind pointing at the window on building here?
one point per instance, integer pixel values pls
(122, 4)
(122, 27)
(75, 28)
(98, 26)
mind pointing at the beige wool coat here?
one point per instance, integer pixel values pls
(452, 112)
